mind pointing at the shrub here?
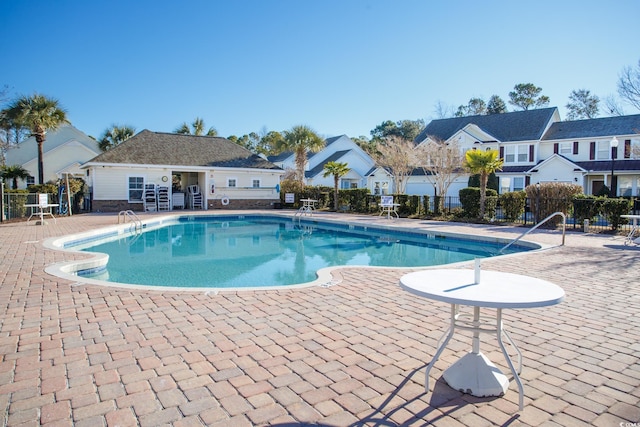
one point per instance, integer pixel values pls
(513, 204)
(586, 207)
(492, 182)
(17, 201)
(425, 204)
(290, 186)
(613, 208)
(547, 198)
(323, 195)
(470, 200)
(355, 198)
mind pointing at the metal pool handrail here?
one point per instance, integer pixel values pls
(564, 226)
(132, 217)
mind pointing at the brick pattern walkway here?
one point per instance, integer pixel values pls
(348, 355)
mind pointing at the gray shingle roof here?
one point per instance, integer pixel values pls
(514, 126)
(285, 154)
(320, 166)
(157, 148)
(605, 165)
(591, 128)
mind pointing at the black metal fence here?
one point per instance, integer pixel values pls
(534, 211)
(14, 207)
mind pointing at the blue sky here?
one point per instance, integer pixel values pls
(341, 67)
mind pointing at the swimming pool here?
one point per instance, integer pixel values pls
(251, 251)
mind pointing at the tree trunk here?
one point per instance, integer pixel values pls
(40, 142)
(335, 192)
(484, 178)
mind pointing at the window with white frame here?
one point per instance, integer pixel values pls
(255, 183)
(348, 184)
(515, 183)
(566, 148)
(135, 188)
(516, 153)
(603, 151)
(625, 186)
(523, 153)
(518, 183)
(510, 154)
(31, 181)
(380, 188)
(232, 182)
(505, 185)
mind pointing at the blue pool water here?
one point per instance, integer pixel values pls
(229, 252)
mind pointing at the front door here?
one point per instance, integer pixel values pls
(596, 187)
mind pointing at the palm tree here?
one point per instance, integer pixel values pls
(300, 139)
(197, 128)
(114, 136)
(14, 172)
(338, 170)
(483, 163)
(39, 114)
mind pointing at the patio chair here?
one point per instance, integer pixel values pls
(388, 207)
(149, 198)
(42, 208)
(164, 201)
(195, 197)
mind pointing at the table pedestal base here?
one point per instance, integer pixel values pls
(474, 374)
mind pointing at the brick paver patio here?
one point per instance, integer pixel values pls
(352, 354)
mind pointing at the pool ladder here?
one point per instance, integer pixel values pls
(135, 219)
(564, 226)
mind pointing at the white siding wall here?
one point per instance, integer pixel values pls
(111, 183)
(244, 184)
(421, 186)
(57, 160)
(556, 170)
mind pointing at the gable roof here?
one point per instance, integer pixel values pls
(333, 139)
(515, 126)
(320, 166)
(158, 148)
(591, 128)
(280, 157)
(27, 150)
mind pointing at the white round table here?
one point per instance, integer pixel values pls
(474, 373)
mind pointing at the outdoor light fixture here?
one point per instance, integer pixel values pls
(614, 151)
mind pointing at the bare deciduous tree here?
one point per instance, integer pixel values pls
(442, 162)
(629, 85)
(612, 106)
(443, 111)
(398, 156)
